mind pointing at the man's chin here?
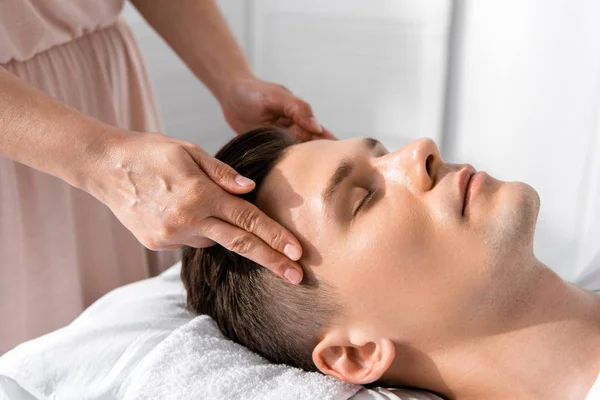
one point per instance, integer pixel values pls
(513, 220)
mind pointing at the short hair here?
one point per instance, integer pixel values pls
(250, 304)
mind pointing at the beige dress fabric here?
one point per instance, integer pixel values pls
(61, 249)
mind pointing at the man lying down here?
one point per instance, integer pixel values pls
(418, 273)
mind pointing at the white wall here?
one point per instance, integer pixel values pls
(188, 108)
(372, 68)
(524, 104)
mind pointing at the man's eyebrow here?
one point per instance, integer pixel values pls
(371, 143)
(344, 171)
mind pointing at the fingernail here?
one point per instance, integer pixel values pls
(316, 125)
(293, 275)
(292, 252)
(243, 181)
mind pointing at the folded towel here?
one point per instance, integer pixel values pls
(198, 362)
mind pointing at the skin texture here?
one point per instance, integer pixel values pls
(431, 297)
(167, 192)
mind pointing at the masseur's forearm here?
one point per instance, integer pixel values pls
(198, 32)
(43, 133)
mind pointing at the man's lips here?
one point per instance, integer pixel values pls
(465, 176)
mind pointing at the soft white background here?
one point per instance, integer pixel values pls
(511, 86)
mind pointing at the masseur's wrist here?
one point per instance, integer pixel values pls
(226, 87)
(100, 155)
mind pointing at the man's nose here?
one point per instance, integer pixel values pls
(416, 162)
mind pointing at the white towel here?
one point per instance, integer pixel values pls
(198, 362)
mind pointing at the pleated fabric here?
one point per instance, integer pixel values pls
(60, 248)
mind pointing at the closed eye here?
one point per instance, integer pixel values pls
(370, 194)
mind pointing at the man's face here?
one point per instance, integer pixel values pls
(407, 257)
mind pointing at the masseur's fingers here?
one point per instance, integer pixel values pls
(248, 245)
(248, 217)
(326, 134)
(251, 103)
(221, 173)
(297, 110)
(303, 123)
(283, 121)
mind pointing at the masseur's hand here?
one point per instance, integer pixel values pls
(170, 193)
(250, 103)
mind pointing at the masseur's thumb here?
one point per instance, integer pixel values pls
(221, 173)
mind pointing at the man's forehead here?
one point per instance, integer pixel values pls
(304, 167)
(291, 180)
(294, 185)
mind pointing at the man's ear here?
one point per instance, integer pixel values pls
(355, 363)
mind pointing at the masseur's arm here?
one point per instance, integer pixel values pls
(167, 192)
(197, 31)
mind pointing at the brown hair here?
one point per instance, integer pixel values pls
(251, 305)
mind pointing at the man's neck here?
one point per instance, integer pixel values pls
(549, 351)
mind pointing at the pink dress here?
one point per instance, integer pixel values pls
(61, 249)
